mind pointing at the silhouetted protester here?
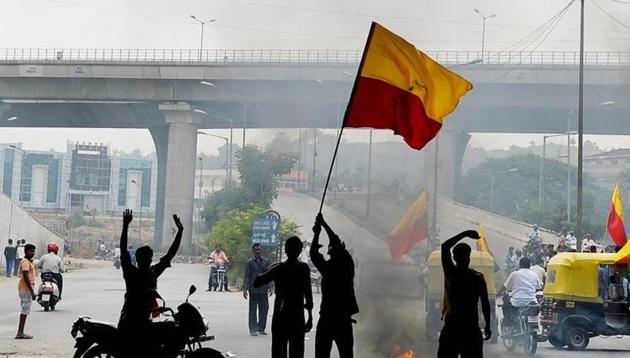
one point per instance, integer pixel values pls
(10, 254)
(338, 300)
(463, 288)
(141, 286)
(292, 281)
(258, 296)
(19, 254)
(26, 288)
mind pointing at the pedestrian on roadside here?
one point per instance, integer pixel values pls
(292, 281)
(19, 247)
(26, 288)
(10, 253)
(258, 296)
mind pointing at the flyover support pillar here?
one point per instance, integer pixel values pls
(452, 146)
(179, 181)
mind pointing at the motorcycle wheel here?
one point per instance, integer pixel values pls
(204, 353)
(96, 352)
(531, 344)
(508, 341)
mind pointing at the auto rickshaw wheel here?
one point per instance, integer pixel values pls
(576, 338)
(556, 342)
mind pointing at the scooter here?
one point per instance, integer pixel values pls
(188, 331)
(48, 294)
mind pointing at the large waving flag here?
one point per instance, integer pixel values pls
(412, 229)
(615, 226)
(399, 87)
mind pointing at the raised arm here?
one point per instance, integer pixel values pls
(333, 239)
(447, 259)
(172, 251)
(125, 259)
(316, 257)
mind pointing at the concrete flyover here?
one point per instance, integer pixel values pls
(532, 92)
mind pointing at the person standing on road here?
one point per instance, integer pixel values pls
(339, 302)
(19, 247)
(258, 296)
(10, 253)
(463, 288)
(26, 288)
(292, 280)
(52, 264)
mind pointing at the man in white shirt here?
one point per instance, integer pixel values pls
(539, 269)
(52, 264)
(522, 285)
(571, 241)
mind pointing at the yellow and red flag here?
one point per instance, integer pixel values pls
(482, 243)
(412, 229)
(399, 87)
(615, 227)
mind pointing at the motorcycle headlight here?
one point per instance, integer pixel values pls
(205, 324)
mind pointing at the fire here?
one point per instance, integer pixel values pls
(396, 353)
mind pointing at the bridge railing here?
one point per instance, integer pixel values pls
(299, 56)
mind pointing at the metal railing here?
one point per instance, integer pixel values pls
(191, 56)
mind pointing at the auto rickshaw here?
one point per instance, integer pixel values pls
(573, 309)
(480, 261)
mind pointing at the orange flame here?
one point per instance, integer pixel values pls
(396, 353)
(409, 354)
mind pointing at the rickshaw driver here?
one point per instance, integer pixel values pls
(522, 285)
(463, 288)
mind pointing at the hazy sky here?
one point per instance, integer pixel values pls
(293, 24)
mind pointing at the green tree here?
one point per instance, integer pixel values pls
(233, 232)
(516, 190)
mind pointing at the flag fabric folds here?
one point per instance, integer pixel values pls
(615, 225)
(399, 87)
(412, 229)
(482, 243)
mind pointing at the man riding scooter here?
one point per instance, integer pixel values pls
(51, 264)
(522, 285)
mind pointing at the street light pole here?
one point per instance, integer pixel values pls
(369, 177)
(540, 174)
(202, 23)
(483, 33)
(314, 158)
(200, 199)
(578, 221)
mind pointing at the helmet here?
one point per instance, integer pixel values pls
(52, 246)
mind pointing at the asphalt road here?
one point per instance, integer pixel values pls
(385, 320)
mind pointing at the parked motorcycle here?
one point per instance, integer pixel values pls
(189, 327)
(524, 330)
(48, 293)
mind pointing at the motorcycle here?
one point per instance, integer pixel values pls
(117, 263)
(48, 293)
(524, 330)
(187, 333)
(219, 273)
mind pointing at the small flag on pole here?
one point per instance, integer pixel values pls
(412, 229)
(615, 227)
(482, 243)
(399, 87)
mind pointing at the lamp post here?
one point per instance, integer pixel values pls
(578, 219)
(369, 177)
(140, 207)
(483, 33)
(229, 149)
(227, 141)
(200, 199)
(511, 170)
(314, 158)
(202, 23)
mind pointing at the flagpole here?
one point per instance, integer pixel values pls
(345, 116)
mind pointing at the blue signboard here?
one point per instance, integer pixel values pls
(266, 228)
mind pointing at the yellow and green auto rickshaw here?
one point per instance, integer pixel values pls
(480, 261)
(577, 306)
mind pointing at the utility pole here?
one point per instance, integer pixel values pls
(369, 178)
(201, 200)
(314, 158)
(299, 181)
(483, 33)
(578, 221)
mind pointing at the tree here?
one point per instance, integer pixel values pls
(516, 190)
(234, 231)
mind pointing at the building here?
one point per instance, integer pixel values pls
(211, 180)
(606, 167)
(294, 180)
(87, 177)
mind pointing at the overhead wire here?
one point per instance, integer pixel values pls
(610, 15)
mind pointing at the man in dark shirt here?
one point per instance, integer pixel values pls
(463, 288)
(10, 254)
(258, 296)
(338, 300)
(141, 282)
(292, 280)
